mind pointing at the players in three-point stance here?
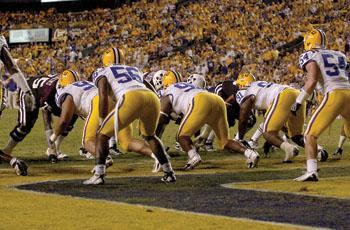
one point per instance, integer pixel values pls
(328, 69)
(199, 107)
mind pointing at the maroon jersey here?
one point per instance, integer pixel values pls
(226, 89)
(44, 91)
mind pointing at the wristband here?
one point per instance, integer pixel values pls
(302, 97)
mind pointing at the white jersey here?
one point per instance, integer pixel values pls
(121, 78)
(82, 93)
(264, 92)
(181, 95)
(332, 65)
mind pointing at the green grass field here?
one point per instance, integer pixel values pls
(42, 211)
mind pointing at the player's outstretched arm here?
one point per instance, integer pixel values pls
(164, 119)
(103, 88)
(246, 108)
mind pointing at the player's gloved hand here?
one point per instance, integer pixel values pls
(3, 42)
(29, 100)
(295, 107)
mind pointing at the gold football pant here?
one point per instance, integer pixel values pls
(92, 124)
(206, 108)
(137, 104)
(334, 103)
(279, 114)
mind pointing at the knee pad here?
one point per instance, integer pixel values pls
(299, 140)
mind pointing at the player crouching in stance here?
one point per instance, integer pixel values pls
(133, 101)
(277, 100)
(200, 107)
(328, 69)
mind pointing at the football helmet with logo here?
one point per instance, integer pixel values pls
(113, 56)
(157, 79)
(197, 80)
(314, 39)
(67, 77)
(244, 80)
(171, 77)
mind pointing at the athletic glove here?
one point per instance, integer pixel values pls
(3, 42)
(295, 107)
(29, 100)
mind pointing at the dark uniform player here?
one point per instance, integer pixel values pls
(227, 90)
(44, 91)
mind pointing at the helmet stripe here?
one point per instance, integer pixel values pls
(323, 38)
(118, 51)
(114, 56)
(75, 75)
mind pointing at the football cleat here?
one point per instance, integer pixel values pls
(96, 179)
(61, 156)
(292, 152)
(109, 161)
(193, 162)
(308, 176)
(178, 147)
(19, 166)
(338, 154)
(113, 150)
(322, 155)
(53, 158)
(252, 158)
(169, 177)
(208, 147)
(86, 154)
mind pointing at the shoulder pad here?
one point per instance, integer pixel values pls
(306, 57)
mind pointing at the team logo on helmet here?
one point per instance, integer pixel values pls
(197, 80)
(171, 77)
(68, 77)
(315, 39)
(244, 80)
(157, 79)
(113, 56)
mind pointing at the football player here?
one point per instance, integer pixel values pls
(26, 96)
(328, 69)
(277, 100)
(227, 90)
(133, 101)
(81, 98)
(199, 107)
(44, 90)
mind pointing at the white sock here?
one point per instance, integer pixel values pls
(13, 161)
(341, 141)
(192, 153)
(58, 142)
(48, 134)
(257, 133)
(11, 144)
(154, 156)
(167, 167)
(285, 146)
(111, 142)
(211, 136)
(311, 165)
(100, 169)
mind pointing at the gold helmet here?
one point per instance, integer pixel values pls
(113, 56)
(171, 77)
(245, 79)
(68, 77)
(314, 38)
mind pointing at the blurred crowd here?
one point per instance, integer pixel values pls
(216, 38)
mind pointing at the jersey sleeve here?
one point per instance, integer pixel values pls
(61, 95)
(240, 96)
(98, 74)
(306, 58)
